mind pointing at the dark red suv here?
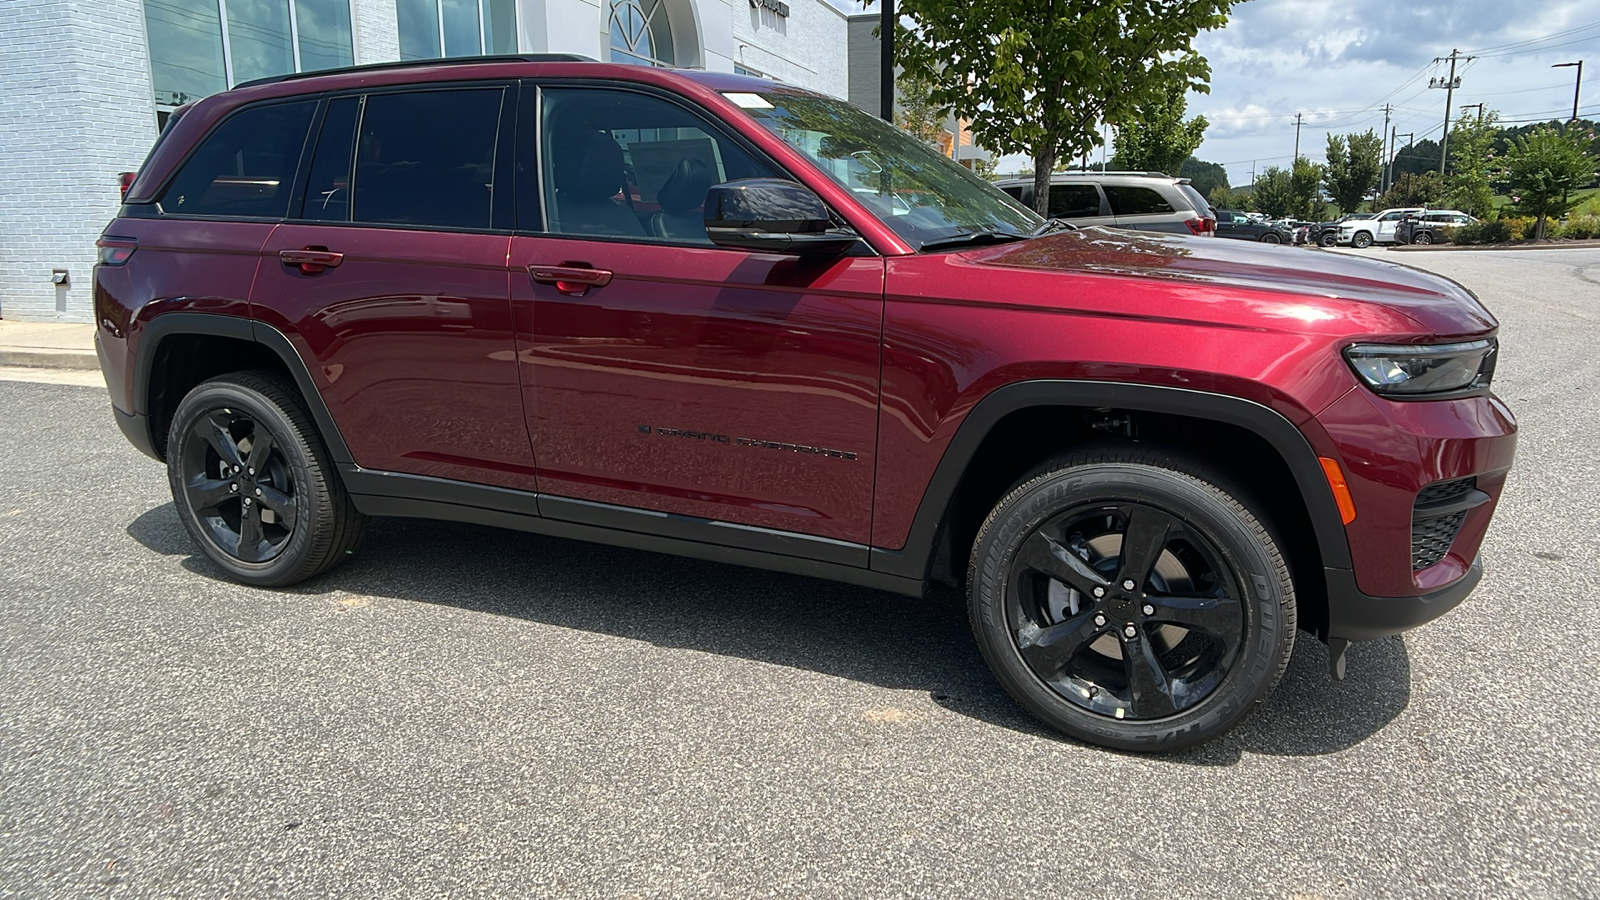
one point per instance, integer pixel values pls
(715, 316)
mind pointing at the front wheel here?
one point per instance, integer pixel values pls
(1362, 240)
(1126, 599)
(254, 484)
(1271, 238)
(1328, 239)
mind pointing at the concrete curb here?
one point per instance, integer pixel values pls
(37, 358)
(1552, 245)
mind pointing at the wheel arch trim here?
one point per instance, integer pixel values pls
(175, 324)
(917, 556)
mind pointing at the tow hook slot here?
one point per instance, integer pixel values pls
(1336, 649)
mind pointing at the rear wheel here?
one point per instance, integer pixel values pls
(1423, 237)
(1362, 240)
(253, 483)
(1127, 600)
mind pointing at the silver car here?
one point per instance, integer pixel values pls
(1148, 201)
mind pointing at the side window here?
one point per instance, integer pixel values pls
(246, 167)
(328, 190)
(1074, 201)
(622, 164)
(1136, 201)
(1015, 191)
(427, 158)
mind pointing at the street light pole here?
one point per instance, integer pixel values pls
(1575, 87)
(886, 60)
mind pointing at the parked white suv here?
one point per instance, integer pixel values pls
(1362, 233)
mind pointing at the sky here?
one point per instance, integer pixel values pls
(1338, 62)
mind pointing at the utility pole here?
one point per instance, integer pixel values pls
(886, 60)
(1576, 87)
(1296, 138)
(1449, 84)
(1477, 106)
(1384, 173)
(1388, 159)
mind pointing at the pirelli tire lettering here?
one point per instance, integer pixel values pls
(713, 438)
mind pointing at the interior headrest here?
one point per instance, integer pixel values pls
(685, 189)
(588, 166)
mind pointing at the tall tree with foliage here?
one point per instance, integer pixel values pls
(1545, 168)
(1354, 164)
(915, 111)
(1206, 176)
(1156, 138)
(1412, 190)
(1474, 164)
(1274, 192)
(1305, 189)
(1038, 76)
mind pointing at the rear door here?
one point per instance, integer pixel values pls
(1081, 203)
(1137, 206)
(391, 281)
(665, 374)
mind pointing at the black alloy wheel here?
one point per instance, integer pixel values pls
(1423, 237)
(1271, 237)
(1328, 239)
(1362, 240)
(1128, 602)
(253, 483)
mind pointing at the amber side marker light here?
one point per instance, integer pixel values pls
(1341, 491)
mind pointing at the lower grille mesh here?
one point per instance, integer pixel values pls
(1431, 539)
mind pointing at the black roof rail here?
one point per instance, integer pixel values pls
(409, 63)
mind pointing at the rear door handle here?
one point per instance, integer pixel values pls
(571, 278)
(311, 260)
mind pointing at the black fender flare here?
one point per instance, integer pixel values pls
(916, 559)
(167, 325)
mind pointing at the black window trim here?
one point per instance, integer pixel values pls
(166, 184)
(503, 154)
(714, 126)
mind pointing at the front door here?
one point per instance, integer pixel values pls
(663, 373)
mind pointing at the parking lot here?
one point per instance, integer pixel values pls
(474, 713)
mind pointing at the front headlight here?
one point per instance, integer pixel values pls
(1421, 371)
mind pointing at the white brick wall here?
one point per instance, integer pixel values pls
(377, 31)
(75, 109)
(808, 49)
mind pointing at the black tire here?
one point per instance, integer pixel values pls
(268, 514)
(1271, 238)
(1328, 239)
(1362, 240)
(1423, 237)
(1208, 562)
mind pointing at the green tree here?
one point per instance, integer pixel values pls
(1156, 138)
(1038, 76)
(1412, 190)
(915, 110)
(1207, 176)
(1274, 191)
(1223, 197)
(1545, 167)
(1474, 165)
(1354, 164)
(1305, 189)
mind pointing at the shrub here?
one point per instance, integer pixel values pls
(1519, 228)
(1581, 228)
(1495, 231)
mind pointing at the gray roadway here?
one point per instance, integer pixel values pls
(465, 712)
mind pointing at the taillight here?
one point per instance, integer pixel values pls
(114, 251)
(1201, 226)
(125, 181)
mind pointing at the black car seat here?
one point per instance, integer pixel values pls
(588, 174)
(681, 199)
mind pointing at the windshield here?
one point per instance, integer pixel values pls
(922, 195)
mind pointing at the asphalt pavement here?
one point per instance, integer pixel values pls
(465, 712)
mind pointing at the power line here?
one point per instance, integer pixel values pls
(1575, 30)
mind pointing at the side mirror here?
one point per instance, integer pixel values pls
(772, 215)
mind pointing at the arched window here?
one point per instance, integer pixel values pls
(640, 33)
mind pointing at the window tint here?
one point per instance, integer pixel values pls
(246, 167)
(630, 165)
(1196, 199)
(1015, 191)
(328, 190)
(1135, 201)
(427, 158)
(1074, 201)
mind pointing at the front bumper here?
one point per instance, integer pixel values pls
(1355, 616)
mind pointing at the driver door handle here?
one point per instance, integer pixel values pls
(311, 260)
(573, 279)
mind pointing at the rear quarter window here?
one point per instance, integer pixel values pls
(1074, 201)
(1136, 201)
(245, 168)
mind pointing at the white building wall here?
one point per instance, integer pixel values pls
(76, 108)
(808, 48)
(377, 31)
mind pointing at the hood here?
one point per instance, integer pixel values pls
(1440, 306)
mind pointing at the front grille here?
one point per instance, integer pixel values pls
(1431, 536)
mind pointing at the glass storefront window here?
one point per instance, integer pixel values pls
(431, 29)
(640, 33)
(463, 34)
(324, 27)
(186, 60)
(258, 39)
(200, 47)
(419, 29)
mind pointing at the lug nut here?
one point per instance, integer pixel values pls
(247, 501)
(234, 488)
(1130, 631)
(1099, 621)
(1099, 592)
(258, 493)
(1127, 584)
(1148, 609)
(252, 470)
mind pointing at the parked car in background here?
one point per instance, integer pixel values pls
(1326, 234)
(1231, 223)
(1147, 201)
(1301, 230)
(1363, 233)
(1427, 227)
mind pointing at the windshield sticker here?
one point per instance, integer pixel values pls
(748, 101)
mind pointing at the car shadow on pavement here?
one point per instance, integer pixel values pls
(865, 635)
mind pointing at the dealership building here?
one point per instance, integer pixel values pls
(85, 86)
